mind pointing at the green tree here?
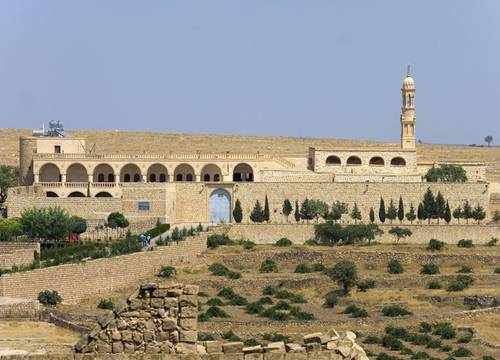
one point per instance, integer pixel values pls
(78, 225)
(307, 210)
(420, 212)
(372, 216)
(10, 228)
(440, 207)
(447, 213)
(488, 139)
(478, 213)
(257, 215)
(401, 209)
(338, 209)
(266, 215)
(345, 273)
(287, 208)
(400, 233)
(392, 212)
(355, 213)
(9, 177)
(410, 215)
(358, 233)
(319, 209)
(467, 211)
(381, 211)
(117, 220)
(458, 213)
(237, 212)
(446, 173)
(429, 205)
(47, 223)
(297, 211)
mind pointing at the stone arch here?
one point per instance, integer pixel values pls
(243, 172)
(130, 173)
(354, 161)
(184, 172)
(50, 173)
(76, 173)
(398, 161)
(103, 173)
(220, 206)
(76, 194)
(51, 194)
(103, 194)
(211, 172)
(377, 161)
(157, 173)
(333, 160)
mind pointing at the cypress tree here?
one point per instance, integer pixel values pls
(266, 214)
(307, 210)
(420, 212)
(372, 215)
(447, 213)
(440, 207)
(467, 211)
(257, 215)
(429, 205)
(237, 212)
(401, 209)
(287, 208)
(381, 211)
(392, 212)
(297, 211)
(458, 214)
(410, 215)
(355, 213)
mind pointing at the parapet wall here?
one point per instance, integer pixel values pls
(76, 281)
(421, 234)
(17, 254)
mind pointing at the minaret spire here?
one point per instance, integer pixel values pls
(408, 117)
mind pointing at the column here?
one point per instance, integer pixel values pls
(197, 178)
(37, 178)
(144, 178)
(63, 179)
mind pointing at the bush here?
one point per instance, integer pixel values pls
(425, 327)
(363, 286)
(392, 343)
(421, 339)
(467, 338)
(311, 242)
(158, 230)
(488, 357)
(429, 269)
(384, 356)
(268, 266)
(465, 243)
(117, 220)
(215, 302)
(460, 283)
(330, 301)
(226, 293)
(218, 269)
(203, 317)
(420, 355)
(497, 270)
(48, 297)
(283, 242)
(397, 332)
(238, 300)
(434, 344)
(254, 308)
(231, 336)
(266, 300)
(356, 311)
(247, 244)
(444, 330)
(492, 242)
(205, 337)
(106, 304)
(394, 267)
(268, 290)
(395, 310)
(303, 269)
(251, 342)
(372, 339)
(319, 267)
(446, 348)
(434, 285)
(282, 305)
(435, 245)
(301, 315)
(464, 270)
(217, 312)
(167, 271)
(275, 337)
(462, 352)
(214, 241)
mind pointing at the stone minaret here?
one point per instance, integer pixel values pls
(408, 117)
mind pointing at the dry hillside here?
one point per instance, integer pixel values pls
(160, 142)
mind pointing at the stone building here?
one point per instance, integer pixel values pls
(55, 167)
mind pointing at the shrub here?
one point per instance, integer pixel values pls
(330, 301)
(372, 339)
(434, 344)
(268, 290)
(497, 270)
(303, 269)
(205, 337)
(214, 311)
(435, 245)
(117, 220)
(231, 336)
(282, 305)
(467, 338)
(446, 348)
(218, 269)
(420, 355)
(396, 331)
(283, 242)
(203, 317)
(226, 293)
(311, 242)
(492, 242)
(238, 300)
(460, 283)
(266, 300)
(464, 270)
(247, 244)
(356, 311)
(167, 271)
(395, 310)
(394, 267)
(158, 229)
(488, 357)
(275, 337)
(384, 356)
(298, 299)
(48, 297)
(251, 342)
(465, 243)
(215, 302)
(421, 339)
(425, 327)
(301, 315)
(268, 266)
(214, 241)
(106, 304)
(366, 284)
(254, 308)
(392, 343)
(444, 330)
(319, 267)
(462, 352)
(429, 269)
(434, 285)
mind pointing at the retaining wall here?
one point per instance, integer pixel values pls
(17, 253)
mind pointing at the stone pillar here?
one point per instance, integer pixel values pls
(197, 177)
(63, 178)
(90, 178)
(37, 178)
(144, 178)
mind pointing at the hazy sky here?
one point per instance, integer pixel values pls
(295, 68)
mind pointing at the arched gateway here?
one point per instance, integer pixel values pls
(220, 206)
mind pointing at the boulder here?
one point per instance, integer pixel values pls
(233, 347)
(213, 347)
(278, 346)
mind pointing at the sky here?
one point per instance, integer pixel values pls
(319, 68)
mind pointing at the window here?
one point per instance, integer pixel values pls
(178, 177)
(206, 177)
(189, 177)
(137, 178)
(216, 177)
(163, 178)
(57, 149)
(100, 178)
(152, 178)
(126, 178)
(143, 205)
(111, 178)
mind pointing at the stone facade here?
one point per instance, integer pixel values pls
(17, 254)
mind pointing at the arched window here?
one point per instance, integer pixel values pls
(354, 161)
(333, 160)
(76, 194)
(189, 177)
(206, 177)
(76, 173)
(103, 172)
(51, 194)
(156, 172)
(243, 172)
(163, 178)
(50, 173)
(111, 178)
(377, 161)
(216, 177)
(103, 194)
(126, 178)
(398, 161)
(178, 177)
(133, 172)
(185, 171)
(100, 177)
(152, 178)
(137, 177)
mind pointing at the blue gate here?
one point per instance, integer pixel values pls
(220, 206)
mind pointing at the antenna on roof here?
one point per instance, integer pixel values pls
(408, 73)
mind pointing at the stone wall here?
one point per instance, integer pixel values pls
(299, 233)
(17, 254)
(95, 276)
(19, 309)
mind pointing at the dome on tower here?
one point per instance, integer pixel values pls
(408, 82)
